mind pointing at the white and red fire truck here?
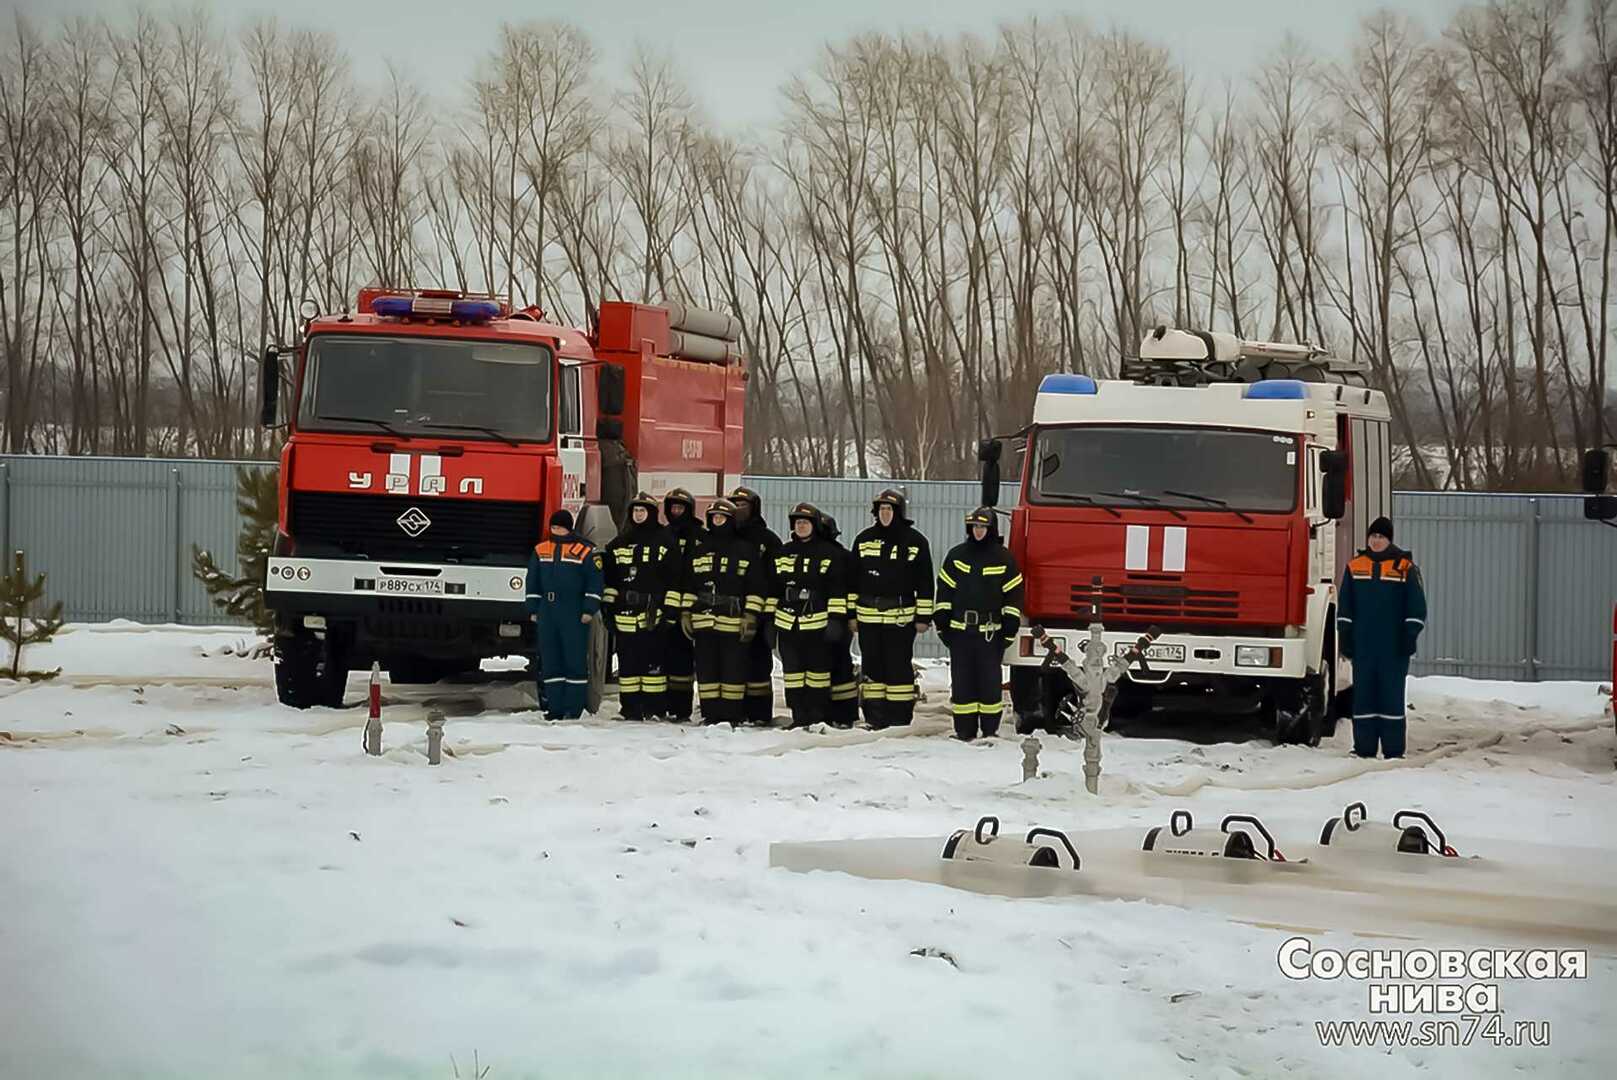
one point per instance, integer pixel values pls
(432, 434)
(1214, 491)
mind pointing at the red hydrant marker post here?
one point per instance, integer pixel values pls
(373, 725)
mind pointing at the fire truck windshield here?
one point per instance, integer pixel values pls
(1183, 468)
(427, 386)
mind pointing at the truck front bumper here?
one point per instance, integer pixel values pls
(1181, 654)
(294, 582)
(415, 608)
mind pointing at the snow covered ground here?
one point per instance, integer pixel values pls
(198, 882)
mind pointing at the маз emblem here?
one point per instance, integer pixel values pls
(414, 522)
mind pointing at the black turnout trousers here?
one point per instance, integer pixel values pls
(976, 689)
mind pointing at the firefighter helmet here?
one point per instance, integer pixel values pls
(754, 501)
(723, 507)
(682, 497)
(805, 512)
(890, 497)
(645, 501)
(983, 515)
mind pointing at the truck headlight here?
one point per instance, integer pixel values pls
(1257, 656)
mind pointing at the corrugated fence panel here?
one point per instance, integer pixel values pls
(1472, 550)
(1520, 587)
(115, 534)
(1577, 586)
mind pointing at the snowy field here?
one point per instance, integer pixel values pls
(197, 882)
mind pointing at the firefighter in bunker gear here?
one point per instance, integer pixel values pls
(807, 601)
(641, 568)
(978, 608)
(1380, 613)
(844, 680)
(563, 598)
(750, 526)
(679, 655)
(893, 603)
(720, 602)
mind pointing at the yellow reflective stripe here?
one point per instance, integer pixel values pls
(875, 691)
(844, 691)
(837, 605)
(923, 606)
(732, 691)
(1013, 583)
(901, 693)
(1014, 612)
(817, 680)
(964, 568)
(755, 604)
(943, 576)
(794, 680)
(965, 708)
(994, 571)
(609, 594)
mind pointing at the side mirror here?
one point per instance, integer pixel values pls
(1333, 491)
(988, 452)
(1596, 469)
(611, 388)
(269, 387)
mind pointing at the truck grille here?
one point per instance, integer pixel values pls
(459, 530)
(1134, 602)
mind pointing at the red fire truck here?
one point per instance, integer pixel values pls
(432, 434)
(1214, 490)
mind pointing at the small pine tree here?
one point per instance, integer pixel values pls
(258, 503)
(18, 593)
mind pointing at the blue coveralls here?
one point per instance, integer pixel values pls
(564, 584)
(1381, 611)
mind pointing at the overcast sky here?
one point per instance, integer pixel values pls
(736, 54)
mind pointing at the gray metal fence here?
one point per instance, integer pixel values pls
(1520, 587)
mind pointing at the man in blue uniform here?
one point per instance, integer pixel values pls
(1380, 613)
(564, 597)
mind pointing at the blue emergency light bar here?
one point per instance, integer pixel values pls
(1277, 390)
(435, 307)
(1064, 383)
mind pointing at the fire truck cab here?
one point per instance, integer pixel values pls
(431, 435)
(1215, 490)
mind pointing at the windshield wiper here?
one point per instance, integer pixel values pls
(389, 428)
(1243, 515)
(1072, 497)
(1151, 500)
(496, 432)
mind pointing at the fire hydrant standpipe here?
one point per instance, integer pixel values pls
(1093, 676)
(435, 737)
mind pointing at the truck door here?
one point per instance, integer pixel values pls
(570, 440)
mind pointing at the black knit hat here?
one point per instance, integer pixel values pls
(1381, 526)
(562, 517)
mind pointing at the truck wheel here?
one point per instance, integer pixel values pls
(309, 671)
(1301, 720)
(596, 659)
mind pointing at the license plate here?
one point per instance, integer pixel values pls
(411, 586)
(1168, 654)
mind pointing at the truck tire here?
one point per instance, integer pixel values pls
(309, 671)
(595, 664)
(1301, 720)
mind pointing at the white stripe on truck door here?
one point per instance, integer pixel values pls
(1173, 549)
(1137, 548)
